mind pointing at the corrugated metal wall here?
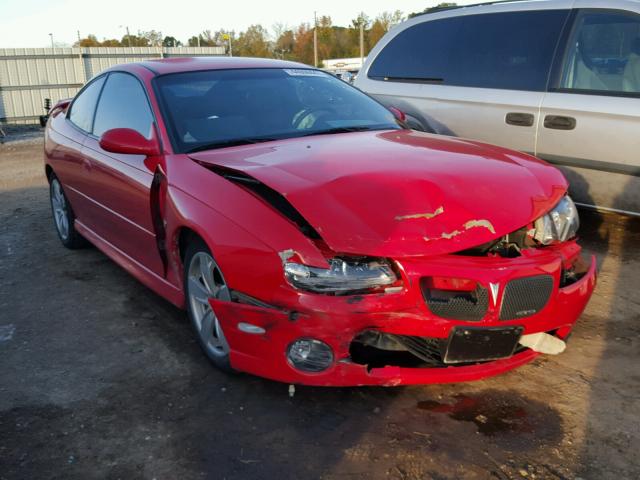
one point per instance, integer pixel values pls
(29, 75)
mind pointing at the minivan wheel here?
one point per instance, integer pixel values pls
(203, 280)
(63, 217)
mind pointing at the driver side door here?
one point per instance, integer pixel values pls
(121, 183)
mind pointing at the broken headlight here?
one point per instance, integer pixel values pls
(560, 224)
(343, 275)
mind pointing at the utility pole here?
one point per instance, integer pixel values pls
(51, 35)
(361, 42)
(128, 35)
(79, 37)
(315, 39)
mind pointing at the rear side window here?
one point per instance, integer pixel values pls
(81, 114)
(604, 53)
(123, 104)
(512, 50)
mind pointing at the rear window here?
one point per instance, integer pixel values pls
(512, 50)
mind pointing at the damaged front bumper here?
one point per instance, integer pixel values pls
(340, 321)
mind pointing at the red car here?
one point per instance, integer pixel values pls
(311, 237)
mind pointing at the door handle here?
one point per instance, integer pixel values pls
(520, 119)
(559, 122)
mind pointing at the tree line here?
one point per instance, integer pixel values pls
(282, 42)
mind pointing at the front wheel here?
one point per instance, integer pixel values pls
(203, 280)
(63, 216)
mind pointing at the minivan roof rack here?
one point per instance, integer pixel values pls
(455, 7)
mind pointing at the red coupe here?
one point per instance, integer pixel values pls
(312, 237)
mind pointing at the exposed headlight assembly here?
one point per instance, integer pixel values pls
(343, 275)
(560, 224)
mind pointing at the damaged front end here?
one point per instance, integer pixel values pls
(448, 318)
(402, 296)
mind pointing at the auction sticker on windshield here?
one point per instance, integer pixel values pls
(303, 72)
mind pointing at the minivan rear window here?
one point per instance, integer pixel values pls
(511, 50)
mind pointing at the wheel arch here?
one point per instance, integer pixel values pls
(184, 236)
(48, 171)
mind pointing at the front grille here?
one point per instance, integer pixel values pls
(457, 305)
(524, 297)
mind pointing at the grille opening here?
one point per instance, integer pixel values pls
(524, 297)
(374, 357)
(379, 349)
(455, 303)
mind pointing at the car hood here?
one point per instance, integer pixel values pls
(400, 193)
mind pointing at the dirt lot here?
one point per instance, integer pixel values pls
(100, 378)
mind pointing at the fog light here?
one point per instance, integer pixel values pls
(310, 355)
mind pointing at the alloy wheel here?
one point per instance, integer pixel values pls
(205, 281)
(60, 209)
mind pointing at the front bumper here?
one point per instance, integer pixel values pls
(337, 320)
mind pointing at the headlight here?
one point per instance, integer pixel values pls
(560, 224)
(343, 275)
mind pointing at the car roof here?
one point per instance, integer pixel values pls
(192, 64)
(491, 6)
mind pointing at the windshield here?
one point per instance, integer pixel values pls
(217, 108)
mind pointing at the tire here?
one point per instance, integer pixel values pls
(63, 216)
(203, 279)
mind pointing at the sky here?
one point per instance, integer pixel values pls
(28, 23)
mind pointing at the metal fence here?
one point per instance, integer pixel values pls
(29, 75)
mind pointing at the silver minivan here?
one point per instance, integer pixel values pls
(556, 78)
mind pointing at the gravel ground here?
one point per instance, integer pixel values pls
(100, 378)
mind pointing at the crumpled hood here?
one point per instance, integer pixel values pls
(400, 193)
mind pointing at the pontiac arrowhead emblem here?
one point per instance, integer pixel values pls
(495, 288)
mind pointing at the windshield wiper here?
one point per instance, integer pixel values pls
(413, 79)
(230, 143)
(345, 130)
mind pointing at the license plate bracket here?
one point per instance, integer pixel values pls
(478, 344)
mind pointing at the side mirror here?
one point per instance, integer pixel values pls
(128, 141)
(399, 114)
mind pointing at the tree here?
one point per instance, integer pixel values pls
(135, 41)
(382, 24)
(253, 43)
(223, 38)
(303, 48)
(153, 37)
(285, 44)
(203, 39)
(112, 42)
(89, 41)
(440, 6)
(169, 41)
(354, 33)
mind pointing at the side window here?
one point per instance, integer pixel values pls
(123, 104)
(81, 114)
(604, 53)
(512, 50)
(420, 52)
